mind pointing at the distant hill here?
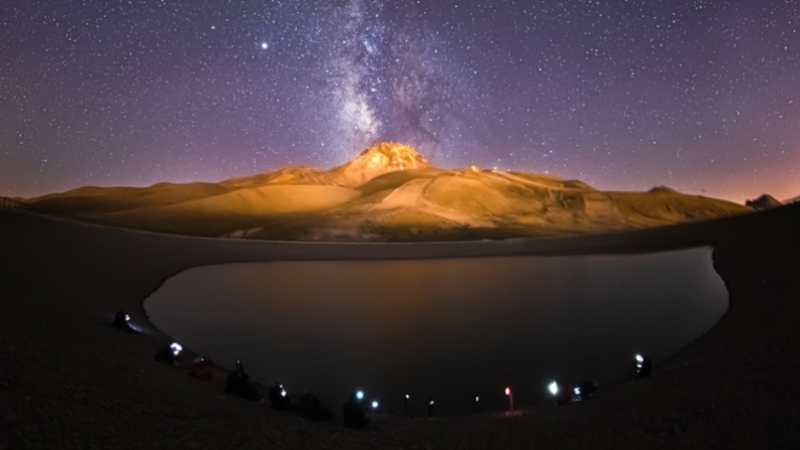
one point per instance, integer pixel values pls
(766, 201)
(388, 193)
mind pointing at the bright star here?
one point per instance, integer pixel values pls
(264, 45)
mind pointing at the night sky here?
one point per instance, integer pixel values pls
(698, 95)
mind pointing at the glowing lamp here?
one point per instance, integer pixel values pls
(122, 320)
(553, 387)
(430, 403)
(176, 348)
(477, 399)
(643, 367)
(374, 404)
(283, 392)
(585, 390)
(360, 395)
(408, 396)
(508, 391)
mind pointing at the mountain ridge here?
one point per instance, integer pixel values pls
(389, 192)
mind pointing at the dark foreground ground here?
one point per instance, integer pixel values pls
(69, 380)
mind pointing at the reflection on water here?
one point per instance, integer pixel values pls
(448, 328)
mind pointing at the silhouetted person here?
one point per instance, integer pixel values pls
(279, 397)
(312, 409)
(353, 413)
(587, 389)
(562, 394)
(239, 385)
(430, 407)
(642, 367)
(122, 322)
(168, 354)
(406, 411)
(202, 369)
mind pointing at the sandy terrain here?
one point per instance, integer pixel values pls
(388, 193)
(69, 380)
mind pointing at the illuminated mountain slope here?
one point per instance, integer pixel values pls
(389, 192)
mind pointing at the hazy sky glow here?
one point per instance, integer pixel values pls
(700, 95)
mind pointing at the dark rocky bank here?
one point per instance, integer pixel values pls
(69, 380)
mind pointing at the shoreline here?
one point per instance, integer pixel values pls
(67, 378)
(298, 290)
(645, 240)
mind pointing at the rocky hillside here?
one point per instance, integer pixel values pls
(766, 201)
(388, 193)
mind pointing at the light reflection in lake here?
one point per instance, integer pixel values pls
(447, 328)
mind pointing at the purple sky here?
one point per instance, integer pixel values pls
(698, 95)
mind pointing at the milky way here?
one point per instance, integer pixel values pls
(699, 95)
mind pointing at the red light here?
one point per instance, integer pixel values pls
(508, 391)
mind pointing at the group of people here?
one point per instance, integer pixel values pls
(238, 384)
(354, 414)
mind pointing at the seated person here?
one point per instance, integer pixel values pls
(279, 397)
(202, 369)
(168, 354)
(561, 393)
(239, 384)
(353, 413)
(642, 367)
(312, 409)
(122, 321)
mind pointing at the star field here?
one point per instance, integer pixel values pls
(695, 94)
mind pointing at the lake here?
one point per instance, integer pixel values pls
(446, 328)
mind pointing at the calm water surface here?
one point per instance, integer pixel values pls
(447, 328)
